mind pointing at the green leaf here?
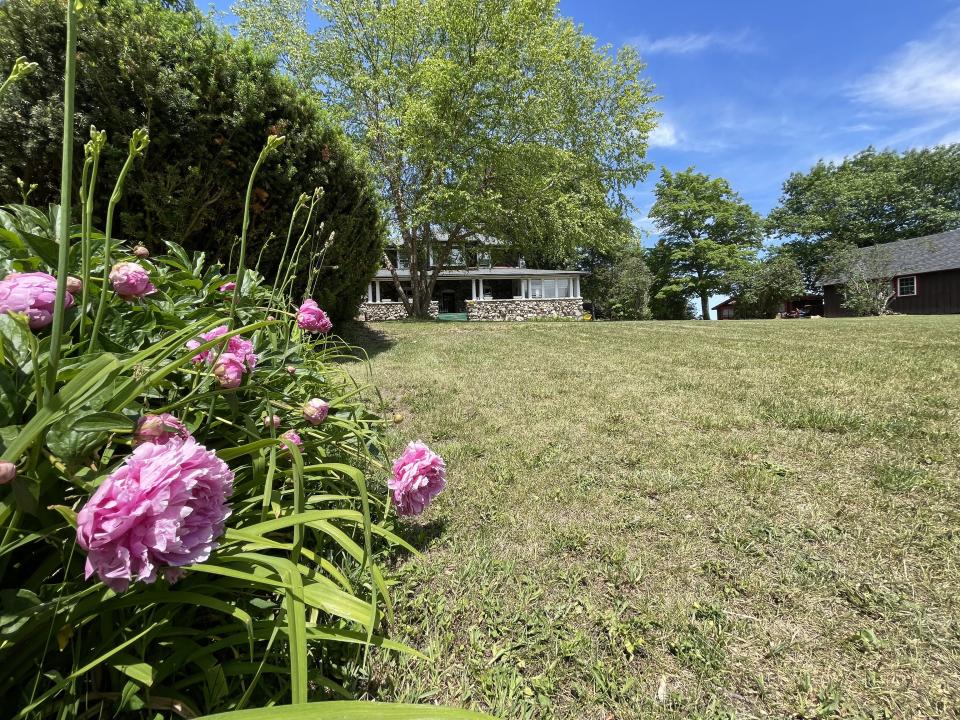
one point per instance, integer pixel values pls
(94, 375)
(140, 671)
(68, 514)
(86, 668)
(16, 340)
(71, 444)
(103, 422)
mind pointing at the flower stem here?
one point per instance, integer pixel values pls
(92, 151)
(138, 143)
(66, 177)
(273, 142)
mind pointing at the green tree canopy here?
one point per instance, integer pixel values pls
(480, 116)
(667, 302)
(760, 287)
(706, 231)
(618, 286)
(870, 198)
(209, 102)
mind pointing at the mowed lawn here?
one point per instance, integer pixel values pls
(737, 519)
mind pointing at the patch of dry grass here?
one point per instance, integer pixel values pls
(738, 519)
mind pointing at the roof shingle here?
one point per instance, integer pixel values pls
(930, 253)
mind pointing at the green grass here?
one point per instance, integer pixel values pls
(711, 520)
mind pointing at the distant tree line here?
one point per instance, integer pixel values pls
(711, 242)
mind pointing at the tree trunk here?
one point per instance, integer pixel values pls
(705, 306)
(421, 300)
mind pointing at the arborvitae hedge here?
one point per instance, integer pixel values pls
(209, 101)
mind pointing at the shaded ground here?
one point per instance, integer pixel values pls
(738, 519)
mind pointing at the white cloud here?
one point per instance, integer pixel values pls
(923, 76)
(664, 135)
(692, 43)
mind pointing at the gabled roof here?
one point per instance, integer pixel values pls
(930, 253)
(725, 303)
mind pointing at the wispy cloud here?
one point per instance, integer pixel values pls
(664, 135)
(923, 76)
(950, 138)
(692, 43)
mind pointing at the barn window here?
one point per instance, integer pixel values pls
(907, 285)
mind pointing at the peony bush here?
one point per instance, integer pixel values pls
(194, 501)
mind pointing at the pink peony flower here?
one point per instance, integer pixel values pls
(271, 421)
(163, 508)
(32, 294)
(228, 287)
(293, 437)
(159, 429)
(315, 410)
(8, 471)
(237, 345)
(131, 280)
(419, 474)
(229, 370)
(310, 317)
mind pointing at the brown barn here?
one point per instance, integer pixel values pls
(924, 273)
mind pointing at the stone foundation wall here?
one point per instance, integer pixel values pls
(379, 312)
(525, 309)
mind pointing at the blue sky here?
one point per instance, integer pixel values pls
(756, 89)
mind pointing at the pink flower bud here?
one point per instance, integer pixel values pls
(141, 252)
(228, 287)
(131, 280)
(312, 318)
(32, 294)
(8, 471)
(74, 285)
(159, 429)
(291, 369)
(271, 421)
(293, 437)
(315, 410)
(229, 370)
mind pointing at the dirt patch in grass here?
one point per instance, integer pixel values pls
(750, 519)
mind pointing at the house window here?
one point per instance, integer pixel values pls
(907, 285)
(550, 288)
(456, 257)
(403, 259)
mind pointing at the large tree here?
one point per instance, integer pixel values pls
(760, 287)
(493, 117)
(667, 301)
(706, 231)
(871, 198)
(209, 102)
(618, 286)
